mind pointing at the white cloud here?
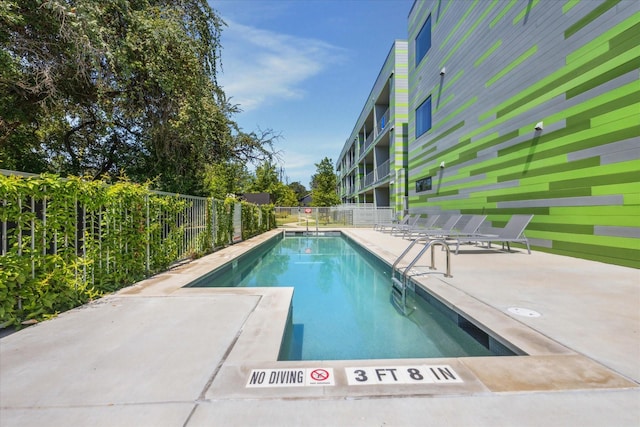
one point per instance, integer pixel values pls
(262, 67)
(300, 165)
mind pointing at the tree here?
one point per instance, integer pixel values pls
(299, 189)
(324, 185)
(286, 196)
(224, 178)
(267, 181)
(266, 178)
(117, 87)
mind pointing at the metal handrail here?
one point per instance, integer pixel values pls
(431, 244)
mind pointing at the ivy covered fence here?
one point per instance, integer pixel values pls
(64, 242)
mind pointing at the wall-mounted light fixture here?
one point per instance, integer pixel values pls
(539, 126)
(443, 71)
(441, 165)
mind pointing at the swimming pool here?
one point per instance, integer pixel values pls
(341, 306)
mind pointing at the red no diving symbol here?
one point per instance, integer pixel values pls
(319, 375)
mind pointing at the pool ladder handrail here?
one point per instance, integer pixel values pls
(399, 287)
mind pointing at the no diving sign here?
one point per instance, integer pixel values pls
(290, 377)
(369, 375)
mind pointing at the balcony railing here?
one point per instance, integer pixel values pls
(383, 122)
(369, 179)
(382, 171)
(367, 143)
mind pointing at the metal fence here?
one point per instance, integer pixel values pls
(345, 215)
(64, 242)
(154, 228)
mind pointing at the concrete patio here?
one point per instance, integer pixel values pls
(158, 354)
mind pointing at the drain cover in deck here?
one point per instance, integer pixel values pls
(525, 312)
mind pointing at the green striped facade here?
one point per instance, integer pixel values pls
(572, 65)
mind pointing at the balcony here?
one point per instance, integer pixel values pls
(369, 179)
(380, 173)
(383, 122)
(367, 143)
(383, 170)
(382, 125)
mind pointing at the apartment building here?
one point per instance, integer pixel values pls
(372, 165)
(519, 106)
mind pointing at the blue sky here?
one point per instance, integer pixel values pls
(304, 69)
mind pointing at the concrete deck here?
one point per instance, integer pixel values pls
(158, 354)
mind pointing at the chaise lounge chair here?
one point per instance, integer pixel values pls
(422, 224)
(467, 225)
(444, 225)
(402, 227)
(383, 225)
(513, 232)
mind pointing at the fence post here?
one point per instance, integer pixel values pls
(84, 244)
(75, 237)
(4, 230)
(19, 243)
(33, 237)
(148, 231)
(214, 220)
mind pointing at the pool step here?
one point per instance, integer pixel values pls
(399, 294)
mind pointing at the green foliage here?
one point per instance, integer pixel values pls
(324, 185)
(223, 178)
(205, 241)
(286, 196)
(224, 221)
(267, 181)
(71, 241)
(299, 190)
(266, 178)
(256, 219)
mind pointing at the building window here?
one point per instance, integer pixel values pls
(423, 184)
(423, 117)
(423, 40)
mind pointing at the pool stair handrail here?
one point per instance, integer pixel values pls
(399, 285)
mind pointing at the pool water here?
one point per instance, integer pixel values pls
(342, 308)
